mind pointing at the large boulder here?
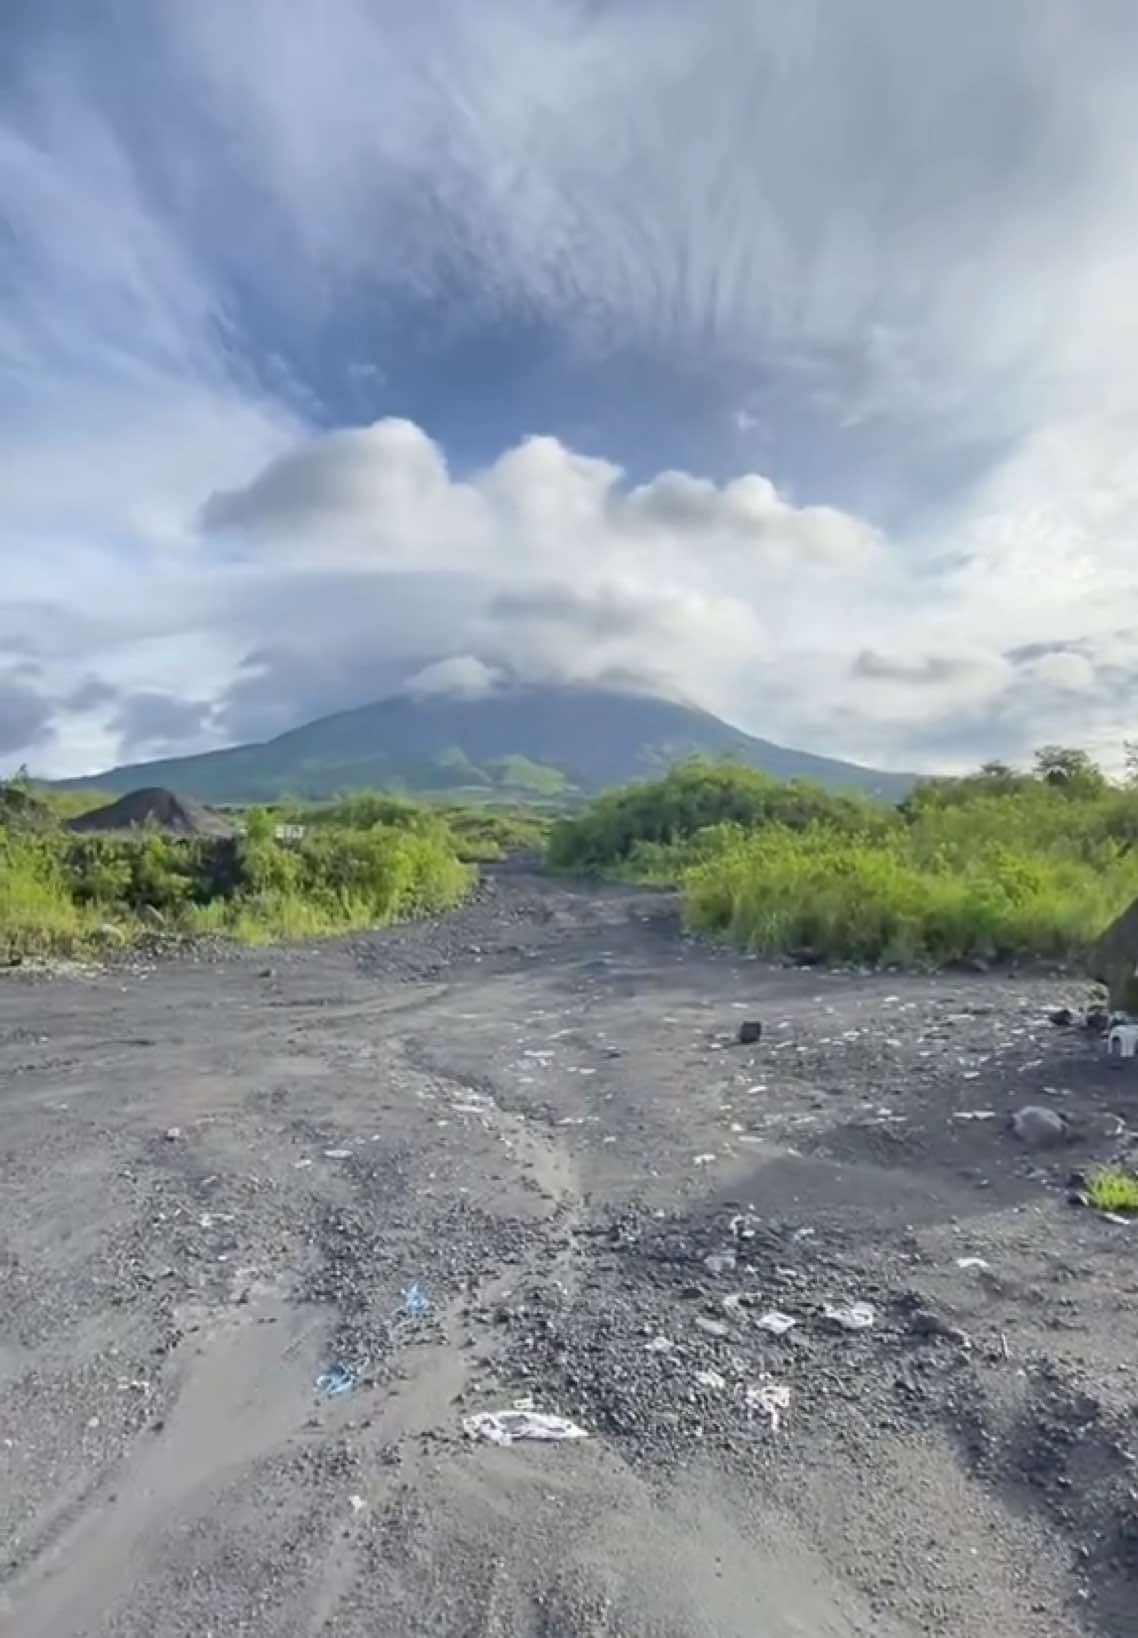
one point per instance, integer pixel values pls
(1113, 960)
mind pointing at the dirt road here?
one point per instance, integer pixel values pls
(517, 1153)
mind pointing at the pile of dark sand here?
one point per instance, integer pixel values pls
(176, 815)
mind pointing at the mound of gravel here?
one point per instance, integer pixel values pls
(176, 815)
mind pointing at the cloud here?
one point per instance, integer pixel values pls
(25, 715)
(464, 677)
(150, 720)
(929, 669)
(301, 215)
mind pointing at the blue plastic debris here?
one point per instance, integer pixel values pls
(416, 1302)
(338, 1379)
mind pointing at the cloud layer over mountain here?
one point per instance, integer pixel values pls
(781, 359)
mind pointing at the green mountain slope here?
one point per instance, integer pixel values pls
(540, 741)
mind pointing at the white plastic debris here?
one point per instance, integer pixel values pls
(357, 1503)
(719, 1262)
(776, 1322)
(974, 1114)
(703, 1160)
(337, 1154)
(1122, 1041)
(506, 1427)
(771, 1398)
(853, 1316)
(659, 1345)
(972, 1262)
(712, 1328)
(711, 1379)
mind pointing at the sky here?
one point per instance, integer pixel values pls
(779, 358)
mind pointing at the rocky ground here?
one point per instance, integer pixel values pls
(276, 1230)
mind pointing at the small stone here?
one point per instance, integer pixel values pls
(750, 1032)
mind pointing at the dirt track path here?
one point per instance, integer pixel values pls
(221, 1179)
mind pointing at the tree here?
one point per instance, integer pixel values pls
(1130, 762)
(1068, 768)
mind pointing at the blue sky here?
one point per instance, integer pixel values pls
(784, 358)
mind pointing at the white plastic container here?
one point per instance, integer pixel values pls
(1122, 1041)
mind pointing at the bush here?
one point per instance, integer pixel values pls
(1000, 864)
(692, 797)
(57, 891)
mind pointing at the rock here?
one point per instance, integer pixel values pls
(750, 1031)
(1040, 1128)
(923, 1322)
(1096, 1020)
(1062, 1017)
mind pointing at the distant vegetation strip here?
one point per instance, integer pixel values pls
(998, 865)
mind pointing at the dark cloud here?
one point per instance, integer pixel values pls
(934, 668)
(152, 719)
(25, 716)
(1027, 652)
(89, 695)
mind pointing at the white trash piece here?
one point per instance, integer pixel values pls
(505, 1427)
(711, 1379)
(1122, 1041)
(854, 1316)
(771, 1398)
(776, 1322)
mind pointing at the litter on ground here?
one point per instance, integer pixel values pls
(506, 1427)
(776, 1322)
(771, 1398)
(854, 1316)
(335, 1381)
(711, 1379)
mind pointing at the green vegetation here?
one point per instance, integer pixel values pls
(477, 835)
(998, 865)
(1113, 1189)
(63, 893)
(633, 823)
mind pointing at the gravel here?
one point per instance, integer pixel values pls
(450, 1173)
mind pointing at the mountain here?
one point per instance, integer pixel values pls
(536, 742)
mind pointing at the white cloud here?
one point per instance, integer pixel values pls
(800, 622)
(913, 238)
(463, 676)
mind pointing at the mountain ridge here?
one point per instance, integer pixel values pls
(523, 741)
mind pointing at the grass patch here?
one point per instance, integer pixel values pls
(1112, 1189)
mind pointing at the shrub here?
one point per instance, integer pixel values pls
(692, 797)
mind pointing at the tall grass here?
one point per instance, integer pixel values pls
(62, 894)
(848, 899)
(1005, 867)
